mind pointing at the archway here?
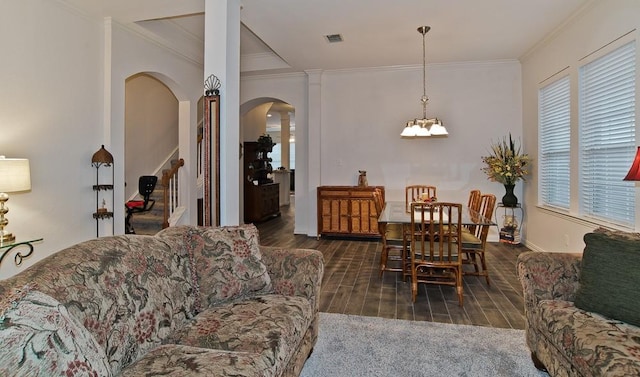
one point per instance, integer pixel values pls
(276, 118)
(158, 130)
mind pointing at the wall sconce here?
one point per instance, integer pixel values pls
(15, 176)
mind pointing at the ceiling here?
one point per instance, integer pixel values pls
(289, 35)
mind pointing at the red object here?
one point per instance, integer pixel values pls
(135, 204)
(634, 172)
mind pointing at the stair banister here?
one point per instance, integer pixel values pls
(170, 191)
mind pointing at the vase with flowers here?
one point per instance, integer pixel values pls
(506, 164)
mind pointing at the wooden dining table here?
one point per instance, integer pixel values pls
(395, 212)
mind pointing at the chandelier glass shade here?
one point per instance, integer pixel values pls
(424, 127)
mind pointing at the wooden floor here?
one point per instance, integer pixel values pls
(352, 285)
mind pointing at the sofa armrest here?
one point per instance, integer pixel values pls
(548, 276)
(295, 272)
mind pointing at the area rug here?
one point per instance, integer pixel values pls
(353, 346)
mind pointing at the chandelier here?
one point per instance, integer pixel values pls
(424, 127)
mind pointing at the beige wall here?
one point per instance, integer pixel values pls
(151, 128)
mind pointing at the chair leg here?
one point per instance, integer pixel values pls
(414, 284)
(459, 288)
(484, 267)
(383, 259)
(128, 228)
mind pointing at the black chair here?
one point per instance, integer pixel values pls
(146, 185)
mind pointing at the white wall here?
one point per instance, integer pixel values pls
(57, 64)
(364, 111)
(50, 112)
(598, 25)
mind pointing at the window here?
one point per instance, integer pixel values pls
(607, 136)
(555, 144)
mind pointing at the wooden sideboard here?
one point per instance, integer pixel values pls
(347, 211)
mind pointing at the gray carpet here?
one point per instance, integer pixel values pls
(353, 346)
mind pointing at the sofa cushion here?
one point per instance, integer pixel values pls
(269, 325)
(179, 360)
(593, 344)
(610, 276)
(40, 338)
(228, 263)
(129, 291)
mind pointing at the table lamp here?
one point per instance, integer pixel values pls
(14, 176)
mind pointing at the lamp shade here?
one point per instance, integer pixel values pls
(102, 156)
(634, 172)
(14, 174)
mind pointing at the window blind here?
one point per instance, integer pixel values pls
(554, 135)
(607, 136)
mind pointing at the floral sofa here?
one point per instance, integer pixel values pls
(189, 301)
(583, 311)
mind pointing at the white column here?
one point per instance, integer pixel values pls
(222, 58)
(285, 133)
(313, 147)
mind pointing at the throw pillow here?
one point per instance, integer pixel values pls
(40, 338)
(228, 263)
(610, 276)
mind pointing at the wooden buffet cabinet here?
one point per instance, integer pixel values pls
(347, 211)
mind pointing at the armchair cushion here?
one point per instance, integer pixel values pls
(610, 276)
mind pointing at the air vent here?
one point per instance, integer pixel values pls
(334, 38)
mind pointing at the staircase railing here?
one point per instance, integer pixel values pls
(170, 191)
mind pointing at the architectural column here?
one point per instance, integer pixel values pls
(314, 88)
(285, 133)
(222, 58)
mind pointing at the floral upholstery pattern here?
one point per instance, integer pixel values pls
(567, 340)
(177, 360)
(125, 290)
(592, 343)
(271, 326)
(40, 338)
(227, 261)
(134, 295)
(295, 273)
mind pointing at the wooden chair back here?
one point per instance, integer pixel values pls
(474, 204)
(435, 249)
(414, 192)
(486, 207)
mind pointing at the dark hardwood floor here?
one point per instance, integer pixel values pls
(351, 283)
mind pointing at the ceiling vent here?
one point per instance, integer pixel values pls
(334, 38)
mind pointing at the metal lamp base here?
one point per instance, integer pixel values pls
(7, 237)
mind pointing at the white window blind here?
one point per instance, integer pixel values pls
(554, 171)
(607, 136)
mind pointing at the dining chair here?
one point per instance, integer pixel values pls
(392, 240)
(414, 192)
(474, 242)
(436, 245)
(474, 204)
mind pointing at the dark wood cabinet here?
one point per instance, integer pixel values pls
(261, 202)
(348, 211)
(261, 195)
